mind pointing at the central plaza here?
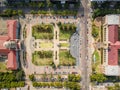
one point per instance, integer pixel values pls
(51, 45)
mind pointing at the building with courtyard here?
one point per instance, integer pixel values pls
(9, 43)
(111, 45)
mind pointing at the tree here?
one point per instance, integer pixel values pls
(8, 12)
(53, 65)
(110, 88)
(95, 31)
(74, 78)
(58, 84)
(117, 86)
(33, 12)
(41, 5)
(19, 75)
(32, 77)
(14, 12)
(20, 12)
(35, 84)
(49, 4)
(59, 78)
(98, 77)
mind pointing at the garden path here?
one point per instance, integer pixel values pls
(56, 45)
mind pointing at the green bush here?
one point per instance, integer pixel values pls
(74, 78)
(95, 31)
(10, 12)
(12, 84)
(31, 77)
(72, 85)
(98, 78)
(102, 12)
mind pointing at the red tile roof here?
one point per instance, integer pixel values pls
(112, 56)
(12, 25)
(12, 63)
(4, 37)
(113, 33)
(114, 45)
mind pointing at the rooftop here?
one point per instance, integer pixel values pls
(112, 19)
(112, 70)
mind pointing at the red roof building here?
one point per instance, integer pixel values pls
(7, 44)
(114, 45)
(111, 45)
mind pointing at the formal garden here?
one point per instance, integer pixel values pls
(66, 58)
(66, 30)
(42, 58)
(42, 31)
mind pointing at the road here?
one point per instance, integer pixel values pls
(84, 32)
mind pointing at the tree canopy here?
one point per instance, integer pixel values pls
(98, 78)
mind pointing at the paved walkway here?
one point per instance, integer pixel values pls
(56, 45)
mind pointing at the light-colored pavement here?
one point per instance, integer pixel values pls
(56, 45)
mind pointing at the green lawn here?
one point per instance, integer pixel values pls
(96, 61)
(42, 31)
(96, 56)
(46, 45)
(42, 58)
(64, 44)
(66, 30)
(42, 35)
(66, 58)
